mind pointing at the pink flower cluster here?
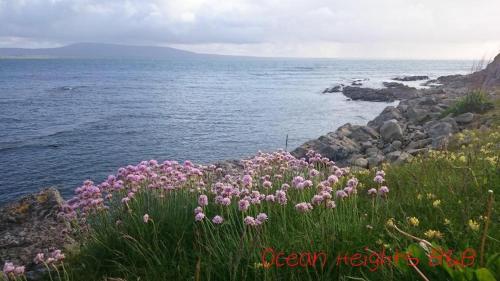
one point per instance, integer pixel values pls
(12, 271)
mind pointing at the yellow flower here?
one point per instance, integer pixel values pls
(430, 196)
(436, 203)
(390, 222)
(433, 234)
(413, 221)
(419, 196)
(447, 221)
(473, 225)
(462, 159)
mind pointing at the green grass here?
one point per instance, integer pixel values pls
(475, 102)
(443, 190)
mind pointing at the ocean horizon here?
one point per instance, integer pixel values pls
(63, 121)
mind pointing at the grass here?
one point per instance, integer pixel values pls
(475, 102)
(441, 198)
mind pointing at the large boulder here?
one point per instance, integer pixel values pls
(464, 118)
(391, 130)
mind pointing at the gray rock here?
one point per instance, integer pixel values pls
(419, 143)
(403, 157)
(391, 130)
(464, 118)
(375, 161)
(417, 115)
(440, 132)
(372, 151)
(363, 133)
(393, 156)
(388, 113)
(396, 145)
(411, 78)
(361, 162)
(335, 89)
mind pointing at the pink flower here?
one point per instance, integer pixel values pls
(281, 197)
(8, 268)
(380, 173)
(297, 182)
(243, 205)
(333, 179)
(226, 201)
(378, 179)
(372, 191)
(270, 198)
(58, 255)
(199, 216)
(145, 218)
(261, 217)
(267, 184)
(352, 183)
(313, 173)
(249, 220)
(317, 199)
(198, 210)
(330, 204)
(19, 270)
(341, 194)
(285, 186)
(203, 200)
(383, 190)
(217, 220)
(303, 207)
(247, 180)
(39, 258)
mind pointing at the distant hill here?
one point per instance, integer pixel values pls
(97, 50)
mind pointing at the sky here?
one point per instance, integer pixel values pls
(400, 29)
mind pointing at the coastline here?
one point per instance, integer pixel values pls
(400, 132)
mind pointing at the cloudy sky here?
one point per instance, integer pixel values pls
(468, 29)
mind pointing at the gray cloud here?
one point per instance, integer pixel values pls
(248, 24)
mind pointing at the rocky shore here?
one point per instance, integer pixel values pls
(417, 124)
(414, 126)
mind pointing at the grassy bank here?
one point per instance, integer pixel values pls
(294, 220)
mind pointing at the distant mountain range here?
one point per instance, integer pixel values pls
(97, 50)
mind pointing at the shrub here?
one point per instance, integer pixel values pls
(476, 102)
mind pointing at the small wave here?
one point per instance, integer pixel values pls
(62, 89)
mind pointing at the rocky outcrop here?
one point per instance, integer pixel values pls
(414, 126)
(30, 226)
(411, 78)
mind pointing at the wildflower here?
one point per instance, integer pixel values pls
(430, 196)
(203, 200)
(125, 200)
(390, 222)
(474, 225)
(267, 184)
(199, 216)
(380, 173)
(462, 159)
(333, 179)
(317, 199)
(39, 258)
(145, 218)
(58, 255)
(270, 198)
(217, 220)
(297, 182)
(330, 204)
(19, 270)
(249, 220)
(226, 201)
(433, 234)
(281, 197)
(383, 190)
(341, 194)
(8, 268)
(303, 207)
(307, 183)
(285, 186)
(353, 183)
(413, 221)
(436, 203)
(243, 205)
(447, 221)
(261, 217)
(313, 173)
(419, 196)
(378, 179)
(372, 191)
(198, 210)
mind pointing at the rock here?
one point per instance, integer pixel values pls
(31, 225)
(396, 145)
(375, 161)
(403, 157)
(361, 162)
(393, 156)
(414, 152)
(393, 84)
(417, 115)
(411, 78)
(335, 89)
(440, 132)
(419, 143)
(365, 145)
(464, 118)
(368, 94)
(363, 133)
(372, 151)
(388, 113)
(391, 130)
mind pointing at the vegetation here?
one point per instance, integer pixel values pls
(476, 102)
(173, 221)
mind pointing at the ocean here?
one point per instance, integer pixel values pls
(66, 120)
